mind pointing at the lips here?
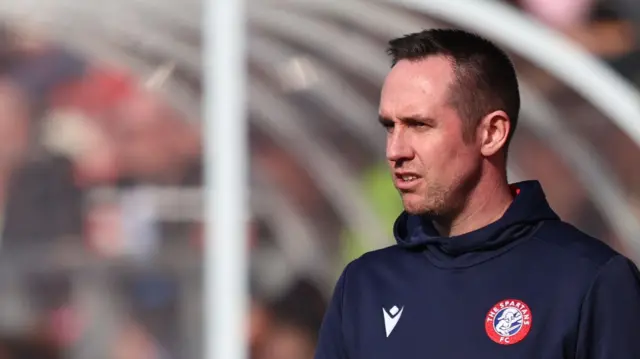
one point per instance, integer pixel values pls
(406, 181)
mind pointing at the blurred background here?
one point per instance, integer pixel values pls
(101, 156)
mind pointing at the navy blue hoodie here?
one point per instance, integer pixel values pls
(527, 286)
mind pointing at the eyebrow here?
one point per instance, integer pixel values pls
(418, 118)
(408, 119)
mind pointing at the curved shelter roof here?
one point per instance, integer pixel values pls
(315, 67)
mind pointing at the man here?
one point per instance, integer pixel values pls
(481, 269)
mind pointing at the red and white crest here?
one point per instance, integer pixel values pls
(508, 322)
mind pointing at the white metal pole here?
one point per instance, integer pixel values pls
(226, 197)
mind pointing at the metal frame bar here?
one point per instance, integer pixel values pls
(226, 255)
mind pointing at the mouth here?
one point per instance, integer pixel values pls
(406, 181)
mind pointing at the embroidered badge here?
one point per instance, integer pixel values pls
(508, 322)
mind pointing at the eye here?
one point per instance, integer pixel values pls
(415, 124)
(388, 125)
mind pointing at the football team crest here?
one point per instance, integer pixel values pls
(508, 322)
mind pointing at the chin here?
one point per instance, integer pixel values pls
(414, 206)
(417, 205)
(420, 211)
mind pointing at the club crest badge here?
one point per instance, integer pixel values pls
(508, 322)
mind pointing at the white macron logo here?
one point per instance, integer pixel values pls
(391, 318)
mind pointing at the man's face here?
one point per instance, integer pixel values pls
(433, 167)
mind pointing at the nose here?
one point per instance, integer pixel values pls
(398, 147)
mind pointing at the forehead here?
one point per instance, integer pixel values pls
(417, 86)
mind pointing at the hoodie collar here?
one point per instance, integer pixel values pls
(525, 215)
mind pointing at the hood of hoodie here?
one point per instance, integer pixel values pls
(524, 216)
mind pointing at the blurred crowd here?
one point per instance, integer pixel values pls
(81, 145)
(95, 174)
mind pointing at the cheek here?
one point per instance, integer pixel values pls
(466, 165)
(446, 158)
(436, 152)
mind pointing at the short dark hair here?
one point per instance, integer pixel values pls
(485, 77)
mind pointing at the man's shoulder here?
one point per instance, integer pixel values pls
(571, 244)
(391, 253)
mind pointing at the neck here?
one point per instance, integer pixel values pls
(485, 204)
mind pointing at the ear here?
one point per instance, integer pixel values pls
(493, 132)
